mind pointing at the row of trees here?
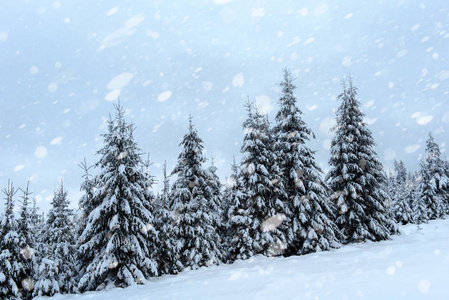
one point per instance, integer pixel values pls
(421, 196)
(276, 202)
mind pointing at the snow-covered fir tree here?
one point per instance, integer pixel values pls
(27, 243)
(257, 216)
(419, 210)
(446, 189)
(153, 242)
(232, 200)
(433, 182)
(47, 274)
(36, 220)
(310, 213)
(390, 190)
(114, 245)
(197, 240)
(214, 193)
(56, 271)
(85, 207)
(85, 204)
(166, 252)
(230, 187)
(401, 208)
(12, 271)
(356, 176)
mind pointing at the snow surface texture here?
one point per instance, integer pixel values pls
(414, 265)
(63, 62)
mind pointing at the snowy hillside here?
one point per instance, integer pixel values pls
(414, 265)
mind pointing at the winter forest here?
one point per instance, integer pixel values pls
(276, 202)
(224, 149)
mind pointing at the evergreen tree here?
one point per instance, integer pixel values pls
(432, 186)
(36, 221)
(356, 177)
(214, 193)
(197, 238)
(85, 206)
(56, 270)
(12, 271)
(446, 188)
(232, 195)
(230, 187)
(26, 243)
(401, 202)
(310, 214)
(390, 188)
(47, 283)
(167, 250)
(419, 210)
(257, 217)
(149, 202)
(234, 216)
(114, 244)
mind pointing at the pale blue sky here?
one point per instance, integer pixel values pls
(64, 62)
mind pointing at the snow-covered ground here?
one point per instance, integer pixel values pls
(414, 265)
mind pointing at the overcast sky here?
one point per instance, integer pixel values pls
(64, 63)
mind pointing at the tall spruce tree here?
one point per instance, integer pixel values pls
(167, 251)
(231, 187)
(214, 193)
(401, 208)
(310, 213)
(114, 244)
(232, 198)
(57, 273)
(433, 181)
(193, 211)
(27, 243)
(12, 271)
(257, 217)
(85, 206)
(356, 177)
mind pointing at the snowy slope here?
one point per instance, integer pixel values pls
(414, 265)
